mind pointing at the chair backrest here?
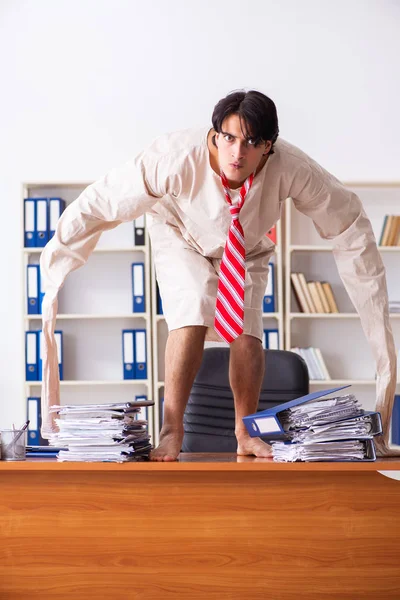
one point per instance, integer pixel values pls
(209, 419)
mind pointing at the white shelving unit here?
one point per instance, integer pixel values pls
(95, 305)
(339, 336)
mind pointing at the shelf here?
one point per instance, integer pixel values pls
(96, 250)
(273, 315)
(160, 384)
(89, 316)
(95, 382)
(314, 248)
(160, 318)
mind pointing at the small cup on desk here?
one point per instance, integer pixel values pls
(13, 444)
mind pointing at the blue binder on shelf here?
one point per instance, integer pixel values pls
(56, 208)
(34, 415)
(60, 354)
(159, 301)
(33, 289)
(42, 222)
(41, 291)
(268, 421)
(29, 223)
(396, 421)
(161, 411)
(269, 297)
(140, 354)
(138, 292)
(138, 231)
(144, 413)
(271, 339)
(31, 356)
(128, 353)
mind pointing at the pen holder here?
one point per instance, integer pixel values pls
(13, 444)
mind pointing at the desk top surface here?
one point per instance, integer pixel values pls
(201, 462)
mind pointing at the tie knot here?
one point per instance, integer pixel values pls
(235, 210)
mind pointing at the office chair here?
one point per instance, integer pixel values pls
(209, 419)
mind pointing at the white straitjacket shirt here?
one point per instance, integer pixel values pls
(188, 219)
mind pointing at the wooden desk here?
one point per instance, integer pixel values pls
(211, 526)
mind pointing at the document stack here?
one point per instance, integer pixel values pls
(315, 429)
(102, 432)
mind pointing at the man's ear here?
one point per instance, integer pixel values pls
(268, 146)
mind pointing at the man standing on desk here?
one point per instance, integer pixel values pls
(210, 196)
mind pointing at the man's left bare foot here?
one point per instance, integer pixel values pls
(249, 446)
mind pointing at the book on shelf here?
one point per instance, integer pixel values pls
(316, 365)
(330, 297)
(390, 234)
(324, 299)
(306, 291)
(313, 296)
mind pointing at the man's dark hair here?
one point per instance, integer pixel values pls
(257, 111)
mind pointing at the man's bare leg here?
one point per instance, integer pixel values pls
(246, 372)
(183, 355)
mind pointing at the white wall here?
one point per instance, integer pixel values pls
(86, 83)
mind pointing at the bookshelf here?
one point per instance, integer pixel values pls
(94, 306)
(306, 252)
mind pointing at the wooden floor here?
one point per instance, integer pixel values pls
(205, 527)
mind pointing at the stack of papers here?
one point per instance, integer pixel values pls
(326, 451)
(313, 428)
(328, 430)
(102, 432)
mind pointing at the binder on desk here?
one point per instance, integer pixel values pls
(42, 222)
(31, 356)
(139, 304)
(271, 339)
(56, 208)
(33, 289)
(268, 421)
(34, 416)
(269, 297)
(58, 335)
(143, 414)
(138, 231)
(140, 354)
(128, 354)
(29, 223)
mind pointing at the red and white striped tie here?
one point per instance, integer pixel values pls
(229, 312)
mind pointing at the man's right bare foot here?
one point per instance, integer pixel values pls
(169, 446)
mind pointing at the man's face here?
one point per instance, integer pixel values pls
(237, 157)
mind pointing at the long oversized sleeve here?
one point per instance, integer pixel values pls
(124, 194)
(338, 215)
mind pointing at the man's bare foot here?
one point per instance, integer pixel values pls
(170, 444)
(249, 446)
